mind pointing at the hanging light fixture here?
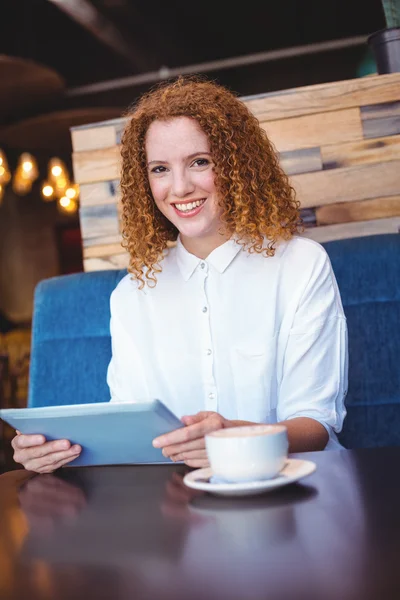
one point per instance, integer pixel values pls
(57, 169)
(58, 176)
(28, 165)
(1, 192)
(59, 186)
(25, 174)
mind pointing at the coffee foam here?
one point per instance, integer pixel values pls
(248, 431)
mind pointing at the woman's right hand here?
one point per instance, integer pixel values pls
(35, 454)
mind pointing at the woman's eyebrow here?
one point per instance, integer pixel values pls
(163, 162)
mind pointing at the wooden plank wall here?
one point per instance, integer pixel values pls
(339, 143)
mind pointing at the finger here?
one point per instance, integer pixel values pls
(177, 448)
(190, 432)
(30, 453)
(58, 465)
(48, 463)
(27, 441)
(64, 462)
(198, 463)
(192, 455)
(192, 419)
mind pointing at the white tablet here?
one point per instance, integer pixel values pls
(110, 433)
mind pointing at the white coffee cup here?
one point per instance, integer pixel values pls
(248, 453)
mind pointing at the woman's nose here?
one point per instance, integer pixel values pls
(182, 185)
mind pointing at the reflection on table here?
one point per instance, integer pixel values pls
(125, 532)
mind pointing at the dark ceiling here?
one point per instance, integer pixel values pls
(144, 36)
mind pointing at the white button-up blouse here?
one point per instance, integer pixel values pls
(254, 338)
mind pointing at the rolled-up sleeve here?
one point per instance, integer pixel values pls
(315, 367)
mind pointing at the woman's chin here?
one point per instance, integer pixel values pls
(191, 234)
(192, 229)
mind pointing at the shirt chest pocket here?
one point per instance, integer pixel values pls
(254, 380)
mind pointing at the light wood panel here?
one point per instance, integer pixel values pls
(365, 210)
(305, 160)
(325, 97)
(102, 250)
(315, 130)
(101, 192)
(351, 230)
(100, 224)
(348, 184)
(114, 261)
(100, 137)
(96, 165)
(381, 149)
(382, 119)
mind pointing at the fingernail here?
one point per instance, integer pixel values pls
(76, 449)
(157, 443)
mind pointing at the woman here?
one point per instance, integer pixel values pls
(241, 320)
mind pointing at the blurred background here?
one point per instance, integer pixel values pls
(65, 63)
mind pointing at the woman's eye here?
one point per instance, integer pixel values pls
(159, 169)
(201, 162)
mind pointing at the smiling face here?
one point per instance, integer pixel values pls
(181, 177)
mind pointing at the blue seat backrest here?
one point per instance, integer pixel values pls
(71, 345)
(368, 273)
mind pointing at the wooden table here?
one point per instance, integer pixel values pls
(133, 532)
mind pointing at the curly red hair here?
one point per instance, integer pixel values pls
(257, 199)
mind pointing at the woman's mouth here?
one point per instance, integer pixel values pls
(189, 209)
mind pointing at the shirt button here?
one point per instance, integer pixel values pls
(211, 396)
(205, 309)
(209, 351)
(202, 265)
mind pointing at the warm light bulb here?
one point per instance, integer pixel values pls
(66, 205)
(56, 171)
(47, 191)
(72, 191)
(27, 167)
(65, 202)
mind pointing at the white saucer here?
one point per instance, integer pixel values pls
(293, 470)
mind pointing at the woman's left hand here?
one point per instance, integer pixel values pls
(188, 444)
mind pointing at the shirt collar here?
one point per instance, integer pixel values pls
(220, 258)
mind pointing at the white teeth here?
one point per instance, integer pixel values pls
(189, 206)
